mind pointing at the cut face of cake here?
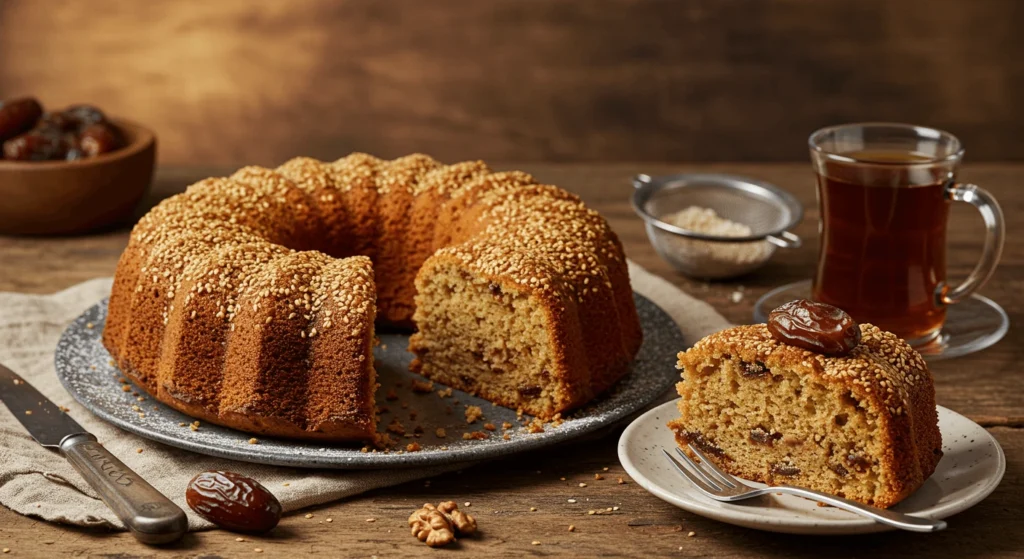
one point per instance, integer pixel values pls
(861, 426)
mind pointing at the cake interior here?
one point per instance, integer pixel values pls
(484, 338)
(780, 427)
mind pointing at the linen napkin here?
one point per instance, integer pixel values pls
(40, 483)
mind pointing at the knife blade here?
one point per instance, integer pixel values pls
(151, 517)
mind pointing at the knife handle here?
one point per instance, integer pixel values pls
(151, 517)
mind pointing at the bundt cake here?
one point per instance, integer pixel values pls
(250, 301)
(862, 426)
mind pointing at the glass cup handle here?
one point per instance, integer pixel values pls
(995, 234)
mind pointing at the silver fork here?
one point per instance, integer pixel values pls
(720, 486)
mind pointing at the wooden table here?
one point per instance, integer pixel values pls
(986, 386)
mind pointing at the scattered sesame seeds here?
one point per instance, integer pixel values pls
(309, 515)
(254, 440)
(572, 528)
(582, 484)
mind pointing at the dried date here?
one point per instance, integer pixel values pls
(233, 502)
(37, 145)
(85, 115)
(815, 327)
(99, 138)
(18, 116)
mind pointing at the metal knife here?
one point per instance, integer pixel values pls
(151, 517)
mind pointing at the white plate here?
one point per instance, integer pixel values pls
(970, 469)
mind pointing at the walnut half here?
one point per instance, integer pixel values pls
(437, 526)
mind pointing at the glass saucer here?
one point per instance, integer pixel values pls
(971, 325)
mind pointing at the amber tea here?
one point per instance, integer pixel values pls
(883, 242)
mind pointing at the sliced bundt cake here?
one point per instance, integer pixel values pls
(250, 301)
(862, 426)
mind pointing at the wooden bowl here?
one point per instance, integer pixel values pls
(68, 197)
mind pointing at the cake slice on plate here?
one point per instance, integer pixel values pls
(856, 421)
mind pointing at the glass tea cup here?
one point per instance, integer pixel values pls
(884, 193)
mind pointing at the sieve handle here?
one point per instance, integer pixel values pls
(641, 180)
(785, 240)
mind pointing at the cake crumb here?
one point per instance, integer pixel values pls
(126, 388)
(598, 477)
(473, 413)
(535, 426)
(447, 392)
(533, 509)
(621, 481)
(90, 325)
(254, 440)
(475, 435)
(422, 386)
(489, 426)
(396, 427)
(505, 436)
(138, 450)
(506, 425)
(391, 396)
(572, 528)
(440, 433)
(194, 426)
(413, 447)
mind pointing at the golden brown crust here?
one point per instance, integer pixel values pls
(225, 292)
(883, 371)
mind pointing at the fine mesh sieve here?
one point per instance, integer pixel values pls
(766, 209)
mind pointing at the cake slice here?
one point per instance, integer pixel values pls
(861, 426)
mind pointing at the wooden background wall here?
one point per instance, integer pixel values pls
(245, 81)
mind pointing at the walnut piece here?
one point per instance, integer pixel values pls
(438, 526)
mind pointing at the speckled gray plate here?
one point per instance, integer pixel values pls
(971, 467)
(83, 366)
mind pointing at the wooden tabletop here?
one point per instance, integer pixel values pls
(987, 386)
